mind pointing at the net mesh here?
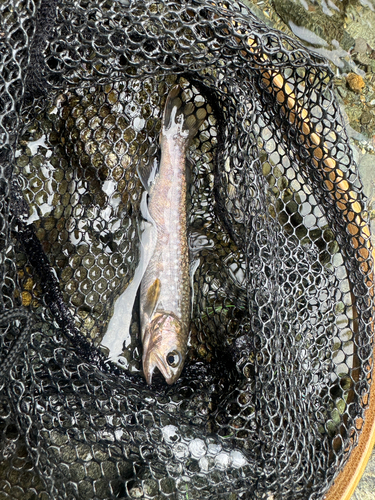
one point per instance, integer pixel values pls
(271, 400)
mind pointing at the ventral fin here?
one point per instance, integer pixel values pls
(152, 297)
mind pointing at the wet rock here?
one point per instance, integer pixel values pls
(354, 113)
(355, 82)
(342, 91)
(366, 117)
(360, 45)
(359, 21)
(363, 59)
(366, 169)
(347, 41)
(328, 26)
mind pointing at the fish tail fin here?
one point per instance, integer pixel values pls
(180, 117)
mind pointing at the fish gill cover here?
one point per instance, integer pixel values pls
(271, 401)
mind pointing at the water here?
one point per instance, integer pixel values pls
(344, 33)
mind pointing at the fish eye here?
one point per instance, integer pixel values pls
(173, 359)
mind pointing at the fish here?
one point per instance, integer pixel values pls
(165, 295)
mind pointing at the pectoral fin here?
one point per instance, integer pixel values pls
(152, 297)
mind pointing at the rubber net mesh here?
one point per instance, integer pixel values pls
(270, 402)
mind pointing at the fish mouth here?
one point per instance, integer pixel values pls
(153, 361)
(161, 337)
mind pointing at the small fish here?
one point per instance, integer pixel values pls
(165, 287)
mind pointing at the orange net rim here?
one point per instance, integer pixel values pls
(348, 478)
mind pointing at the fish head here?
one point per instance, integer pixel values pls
(164, 347)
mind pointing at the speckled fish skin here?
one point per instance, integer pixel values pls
(165, 288)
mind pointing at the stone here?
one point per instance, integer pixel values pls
(355, 82)
(360, 45)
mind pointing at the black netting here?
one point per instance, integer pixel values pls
(272, 396)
